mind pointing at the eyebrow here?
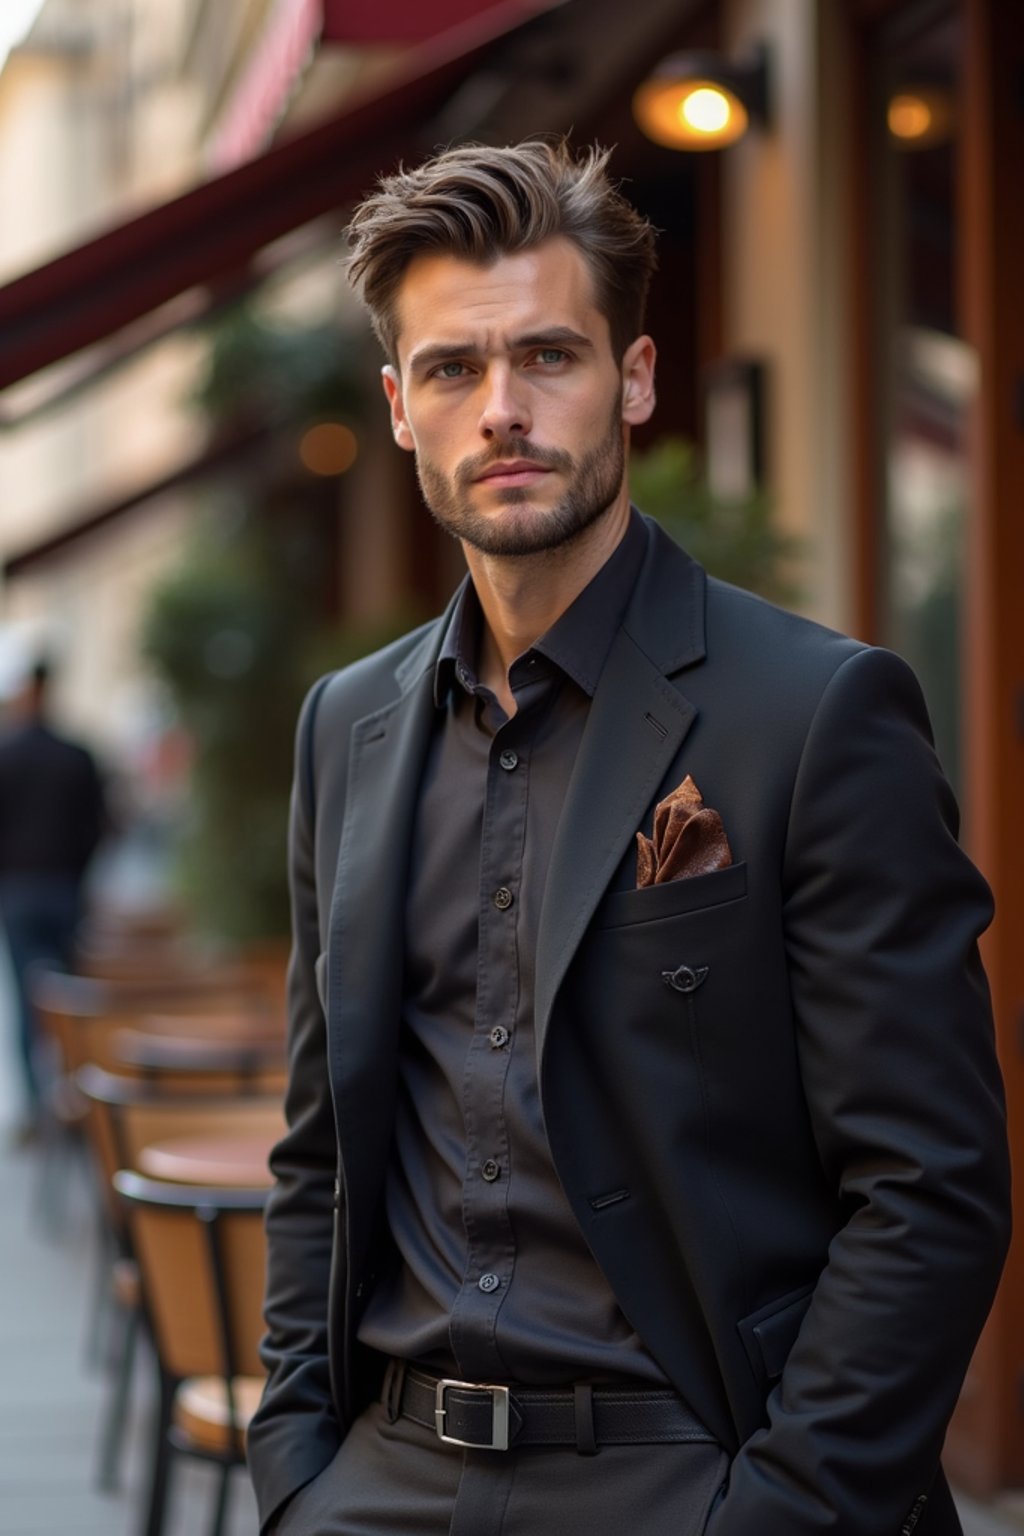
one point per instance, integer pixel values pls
(454, 351)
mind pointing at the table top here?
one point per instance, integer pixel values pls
(236, 1027)
(232, 1160)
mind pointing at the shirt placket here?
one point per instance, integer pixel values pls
(487, 1186)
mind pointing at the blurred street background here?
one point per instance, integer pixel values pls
(201, 506)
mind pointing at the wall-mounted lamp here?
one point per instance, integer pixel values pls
(702, 101)
(920, 116)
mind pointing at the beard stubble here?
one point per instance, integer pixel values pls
(593, 483)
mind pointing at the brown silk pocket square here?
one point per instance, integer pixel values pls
(689, 839)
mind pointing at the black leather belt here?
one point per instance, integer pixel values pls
(495, 1417)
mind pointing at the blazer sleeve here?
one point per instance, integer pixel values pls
(882, 915)
(295, 1433)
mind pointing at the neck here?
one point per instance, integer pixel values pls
(522, 596)
(25, 709)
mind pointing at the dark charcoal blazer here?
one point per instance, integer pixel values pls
(808, 1149)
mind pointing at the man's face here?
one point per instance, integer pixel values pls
(508, 393)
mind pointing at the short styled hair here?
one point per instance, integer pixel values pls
(478, 203)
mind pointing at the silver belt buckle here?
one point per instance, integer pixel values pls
(499, 1414)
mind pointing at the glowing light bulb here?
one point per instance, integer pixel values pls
(909, 117)
(329, 448)
(705, 110)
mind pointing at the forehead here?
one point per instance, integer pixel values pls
(444, 298)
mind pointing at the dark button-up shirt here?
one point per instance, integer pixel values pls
(492, 1277)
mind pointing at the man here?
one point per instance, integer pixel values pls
(681, 1156)
(51, 818)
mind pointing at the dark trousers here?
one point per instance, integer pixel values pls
(398, 1478)
(39, 914)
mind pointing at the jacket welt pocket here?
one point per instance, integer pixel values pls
(652, 903)
(769, 1334)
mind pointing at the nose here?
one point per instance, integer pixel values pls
(506, 412)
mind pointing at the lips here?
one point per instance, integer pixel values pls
(512, 472)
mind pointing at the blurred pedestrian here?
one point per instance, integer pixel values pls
(51, 819)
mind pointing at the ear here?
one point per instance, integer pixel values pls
(392, 382)
(638, 397)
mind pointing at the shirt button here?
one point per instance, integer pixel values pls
(498, 1037)
(488, 1283)
(462, 673)
(503, 898)
(509, 760)
(491, 1170)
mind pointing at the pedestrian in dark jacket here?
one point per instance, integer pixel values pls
(51, 819)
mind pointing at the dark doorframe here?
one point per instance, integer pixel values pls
(985, 1447)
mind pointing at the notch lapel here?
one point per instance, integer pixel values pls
(637, 724)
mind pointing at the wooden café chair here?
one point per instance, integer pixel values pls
(160, 952)
(124, 1117)
(201, 1258)
(81, 1017)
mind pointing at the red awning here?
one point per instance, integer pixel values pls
(207, 244)
(212, 232)
(399, 21)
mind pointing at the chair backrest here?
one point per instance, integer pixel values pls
(84, 1016)
(125, 1114)
(160, 950)
(100, 1092)
(209, 1062)
(201, 1255)
(139, 1123)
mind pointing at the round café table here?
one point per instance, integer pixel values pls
(230, 1160)
(236, 1027)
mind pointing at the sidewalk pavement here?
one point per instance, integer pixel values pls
(52, 1400)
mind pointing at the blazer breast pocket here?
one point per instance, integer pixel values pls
(657, 903)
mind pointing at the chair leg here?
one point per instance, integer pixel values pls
(102, 1307)
(50, 1204)
(163, 1451)
(113, 1429)
(221, 1507)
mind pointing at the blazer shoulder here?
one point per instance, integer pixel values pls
(815, 660)
(740, 624)
(338, 699)
(374, 680)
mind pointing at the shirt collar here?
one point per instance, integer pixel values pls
(579, 640)
(459, 647)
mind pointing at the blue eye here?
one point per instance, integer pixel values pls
(552, 355)
(450, 371)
